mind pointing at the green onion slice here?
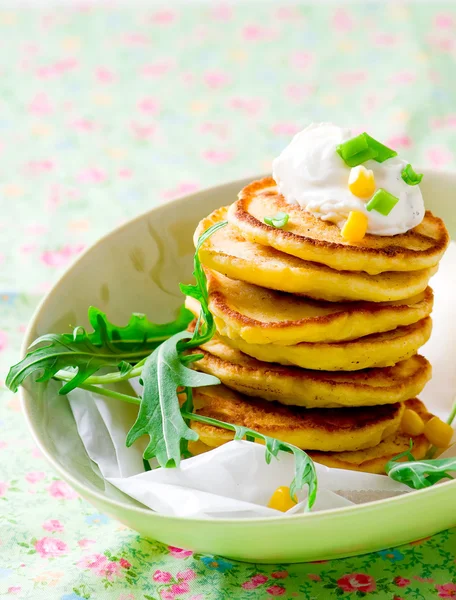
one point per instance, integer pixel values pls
(410, 177)
(278, 221)
(382, 201)
(363, 147)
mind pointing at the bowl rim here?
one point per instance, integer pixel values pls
(147, 512)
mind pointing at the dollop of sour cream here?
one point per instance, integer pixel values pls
(310, 172)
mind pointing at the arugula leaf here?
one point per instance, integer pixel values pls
(159, 414)
(164, 372)
(419, 474)
(107, 346)
(305, 473)
(278, 221)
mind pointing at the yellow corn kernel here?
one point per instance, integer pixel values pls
(281, 499)
(361, 182)
(355, 227)
(412, 423)
(438, 432)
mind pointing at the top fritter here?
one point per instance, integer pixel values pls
(346, 202)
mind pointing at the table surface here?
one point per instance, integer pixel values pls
(107, 111)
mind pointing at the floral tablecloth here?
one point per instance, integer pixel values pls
(108, 110)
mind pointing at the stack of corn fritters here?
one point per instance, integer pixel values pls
(317, 337)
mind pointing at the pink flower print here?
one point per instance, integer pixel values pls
(3, 445)
(254, 582)
(399, 141)
(93, 561)
(162, 576)
(83, 125)
(3, 488)
(105, 75)
(286, 128)
(351, 77)
(276, 590)
(157, 69)
(35, 476)
(143, 132)
(216, 79)
(40, 166)
(135, 39)
(167, 595)
(59, 258)
(125, 173)
(301, 60)
(299, 92)
(36, 453)
(58, 68)
(256, 33)
(124, 563)
(61, 489)
(186, 187)
(179, 588)
(222, 12)
(54, 199)
(92, 175)
(110, 571)
(53, 525)
(50, 547)
(444, 21)
(357, 582)
(148, 105)
(163, 17)
(3, 340)
(342, 21)
(448, 590)
(85, 543)
(439, 156)
(40, 105)
(314, 577)
(250, 106)
(186, 575)
(179, 552)
(385, 39)
(14, 589)
(217, 156)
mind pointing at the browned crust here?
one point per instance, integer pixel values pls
(333, 378)
(437, 246)
(254, 413)
(219, 300)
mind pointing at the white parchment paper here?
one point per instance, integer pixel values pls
(234, 480)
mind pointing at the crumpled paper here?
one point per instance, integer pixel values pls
(234, 481)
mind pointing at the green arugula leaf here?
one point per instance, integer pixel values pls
(164, 372)
(305, 473)
(419, 474)
(278, 221)
(159, 413)
(107, 346)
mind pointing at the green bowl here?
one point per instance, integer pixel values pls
(137, 268)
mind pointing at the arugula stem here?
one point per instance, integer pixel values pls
(110, 393)
(101, 379)
(452, 413)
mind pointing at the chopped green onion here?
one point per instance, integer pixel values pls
(410, 177)
(355, 151)
(363, 147)
(382, 201)
(383, 152)
(278, 221)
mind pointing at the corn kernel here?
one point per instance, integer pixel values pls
(438, 432)
(355, 226)
(412, 423)
(281, 499)
(361, 182)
